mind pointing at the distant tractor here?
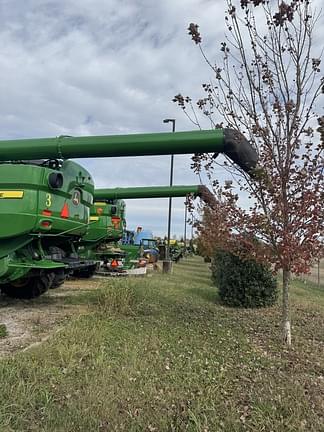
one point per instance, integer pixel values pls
(146, 245)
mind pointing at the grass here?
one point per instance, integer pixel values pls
(3, 331)
(162, 354)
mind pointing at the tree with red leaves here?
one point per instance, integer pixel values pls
(267, 86)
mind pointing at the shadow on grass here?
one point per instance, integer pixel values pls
(204, 281)
(63, 299)
(209, 295)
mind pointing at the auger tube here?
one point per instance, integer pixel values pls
(227, 141)
(145, 192)
(155, 192)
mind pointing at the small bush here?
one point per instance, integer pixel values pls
(243, 283)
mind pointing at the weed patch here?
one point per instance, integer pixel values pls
(3, 331)
(117, 297)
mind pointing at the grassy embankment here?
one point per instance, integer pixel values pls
(161, 354)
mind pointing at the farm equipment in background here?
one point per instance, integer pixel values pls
(140, 244)
(144, 242)
(100, 243)
(177, 250)
(45, 199)
(107, 226)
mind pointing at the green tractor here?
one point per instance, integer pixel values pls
(45, 199)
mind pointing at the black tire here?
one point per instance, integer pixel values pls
(59, 279)
(28, 288)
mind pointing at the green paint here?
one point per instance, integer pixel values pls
(113, 145)
(146, 192)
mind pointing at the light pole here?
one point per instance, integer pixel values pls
(192, 222)
(168, 120)
(185, 229)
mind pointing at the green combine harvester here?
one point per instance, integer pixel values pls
(45, 199)
(108, 225)
(100, 243)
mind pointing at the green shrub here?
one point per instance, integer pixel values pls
(243, 283)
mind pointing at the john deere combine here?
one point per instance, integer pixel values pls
(125, 257)
(45, 199)
(108, 224)
(106, 229)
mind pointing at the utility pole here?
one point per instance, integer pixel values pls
(185, 228)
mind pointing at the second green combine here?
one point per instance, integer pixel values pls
(105, 234)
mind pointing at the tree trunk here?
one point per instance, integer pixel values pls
(285, 307)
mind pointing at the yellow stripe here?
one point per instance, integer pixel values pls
(11, 194)
(94, 218)
(100, 203)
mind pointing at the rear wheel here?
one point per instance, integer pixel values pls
(59, 279)
(28, 288)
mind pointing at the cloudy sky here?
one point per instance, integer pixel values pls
(94, 67)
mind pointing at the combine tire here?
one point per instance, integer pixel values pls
(28, 288)
(59, 279)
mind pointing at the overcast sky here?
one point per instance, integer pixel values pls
(94, 67)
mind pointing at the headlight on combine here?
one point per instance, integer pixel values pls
(55, 180)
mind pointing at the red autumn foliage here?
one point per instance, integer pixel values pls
(267, 85)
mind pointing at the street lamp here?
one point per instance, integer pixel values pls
(168, 120)
(185, 228)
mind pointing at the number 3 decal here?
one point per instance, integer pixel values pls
(48, 200)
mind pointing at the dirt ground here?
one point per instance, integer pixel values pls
(31, 322)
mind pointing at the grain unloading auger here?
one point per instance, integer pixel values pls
(153, 192)
(45, 199)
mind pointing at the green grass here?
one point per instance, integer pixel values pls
(161, 354)
(3, 331)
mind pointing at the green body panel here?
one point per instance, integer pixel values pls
(103, 233)
(12, 268)
(10, 273)
(113, 145)
(104, 227)
(133, 254)
(24, 215)
(33, 222)
(146, 192)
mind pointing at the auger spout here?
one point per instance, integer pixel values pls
(227, 141)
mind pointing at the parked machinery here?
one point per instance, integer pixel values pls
(139, 244)
(100, 243)
(45, 199)
(108, 224)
